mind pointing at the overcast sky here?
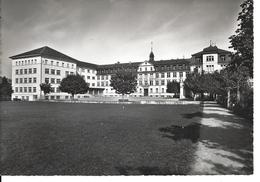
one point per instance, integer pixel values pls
(106, 31)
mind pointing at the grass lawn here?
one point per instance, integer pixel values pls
(40, 138)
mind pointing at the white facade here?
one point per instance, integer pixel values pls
(29, 72)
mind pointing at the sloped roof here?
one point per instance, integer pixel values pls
(119, 65)
(171, 62)
(48, 52)
(211, 49)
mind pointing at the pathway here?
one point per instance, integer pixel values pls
(225, 143)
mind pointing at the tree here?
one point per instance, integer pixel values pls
(74, 84)
(124, 82)
(5, 89)
(46, 88)
(193, 83)
(243, 40)
(173, 87)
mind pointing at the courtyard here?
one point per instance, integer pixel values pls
(45, 138)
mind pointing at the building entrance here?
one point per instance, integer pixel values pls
(146, 92)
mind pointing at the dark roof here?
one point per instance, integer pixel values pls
(119, 65)
(171, 62)
(211, 49)
(86, 65)
(48, 52)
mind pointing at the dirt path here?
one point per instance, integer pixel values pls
(225, 144)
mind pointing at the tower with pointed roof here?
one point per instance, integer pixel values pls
(151, 56)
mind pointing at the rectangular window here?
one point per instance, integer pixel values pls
(57, 63)
(156, 82)
(30, 70)
(53, 71)
(51, 62)
(157, 90)
(174, 74)
(181, 74)
(210, 58)
(162, 90)
(98, 77)
(62, 64)
(47, 71)
(25, 89)
(52, 80)
(47, 80)
(34, 89)
(34, 80)
(16, 80)
(88, 77)
(151, 90)
(157, 75)
(21, 80)
(168, 75)
(162, 75)
(16, 72)
(102, 84)
(16, 89)
(30, 80)
(34, 70)
(163, 82)
(71, 73)
(151, 82)
(58, 72)
(93, 84)
(25, 71)
(58, 81)
(98, 84)
(21, 89)
(58, 89)
(30, 89)
(93, 78)
(66, 73)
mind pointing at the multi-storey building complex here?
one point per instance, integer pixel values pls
(46, 65)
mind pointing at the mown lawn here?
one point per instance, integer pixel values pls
(40, 138)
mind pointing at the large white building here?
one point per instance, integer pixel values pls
(46, 65)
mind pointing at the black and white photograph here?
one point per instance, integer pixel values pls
(127, 88)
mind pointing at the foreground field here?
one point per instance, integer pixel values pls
(105, 139)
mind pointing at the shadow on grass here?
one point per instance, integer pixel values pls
(190, 132)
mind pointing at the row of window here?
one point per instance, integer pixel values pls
(52, 71)
(46, 61)
(87, 70)
(210, 58)
(103, 84)
(170, 67)
(26, 62)
(162, 75)
(102, 77)
(88, 77)
(52, 80)
(26, 71)
(25, 89)
(26, 80)
(210, 68)
(151, 82)
(151, 90)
